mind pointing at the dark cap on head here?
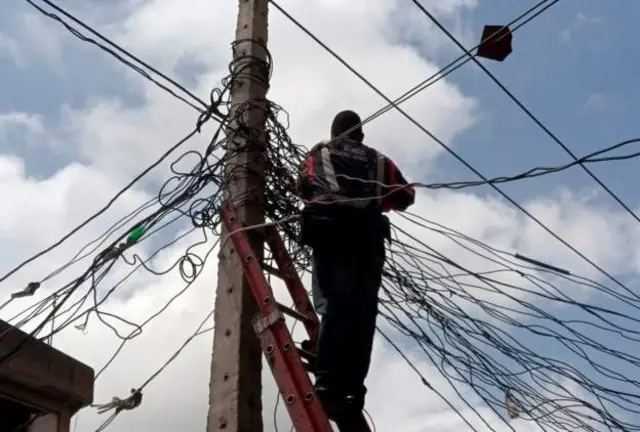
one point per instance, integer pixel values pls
(344, 121)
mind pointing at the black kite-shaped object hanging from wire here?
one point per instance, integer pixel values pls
(496, 43)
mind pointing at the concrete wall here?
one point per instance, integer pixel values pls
(43, 379)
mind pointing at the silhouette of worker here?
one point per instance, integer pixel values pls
(347, 187)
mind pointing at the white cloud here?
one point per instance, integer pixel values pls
(327, 87)
(414, 27)
(32, 123)
(116, 140)
(122, 140)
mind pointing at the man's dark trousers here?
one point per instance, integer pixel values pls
(346, 281)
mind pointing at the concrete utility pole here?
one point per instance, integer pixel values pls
(235, 389)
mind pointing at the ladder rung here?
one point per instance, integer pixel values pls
(291, 371)
(292, 313)
(306, 345)
(309, 356)
(272, 271)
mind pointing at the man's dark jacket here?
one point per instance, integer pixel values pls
(347, 186)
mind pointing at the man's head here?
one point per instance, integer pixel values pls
(344, 121)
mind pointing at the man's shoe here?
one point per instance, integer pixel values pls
(333, 404)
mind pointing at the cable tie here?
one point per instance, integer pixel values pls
(127, 404)
(29, 290)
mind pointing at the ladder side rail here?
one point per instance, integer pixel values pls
(298, 395)
(304, 409)
(302, 303)
(292, 280)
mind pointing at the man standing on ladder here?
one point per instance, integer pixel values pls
(347, 186)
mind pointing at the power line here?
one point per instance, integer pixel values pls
(203, 210)
(199, 331)
(138, 331)
(541, 171)
(449, 150)
(519, 21)
(112, 52)
(104, 209)
(419, 286)
(537, 121)
(485, 331)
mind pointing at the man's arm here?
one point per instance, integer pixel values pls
(305, 172)
(400, 194)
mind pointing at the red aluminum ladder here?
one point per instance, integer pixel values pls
(284, 358)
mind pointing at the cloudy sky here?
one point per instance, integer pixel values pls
(76, 126)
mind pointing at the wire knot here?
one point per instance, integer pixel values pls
(114, 252)
(28, 291)
(127, 404)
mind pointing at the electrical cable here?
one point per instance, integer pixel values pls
(193, 199)
(101, 260)
(530, 173)
(105, 208)
(479, 320)
(524, 108)
(407, 289)
(454, 65)
(117, 56)
(455, 154)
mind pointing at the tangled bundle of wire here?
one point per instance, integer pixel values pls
(521, 337)
(531, 343)
(195, 194)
